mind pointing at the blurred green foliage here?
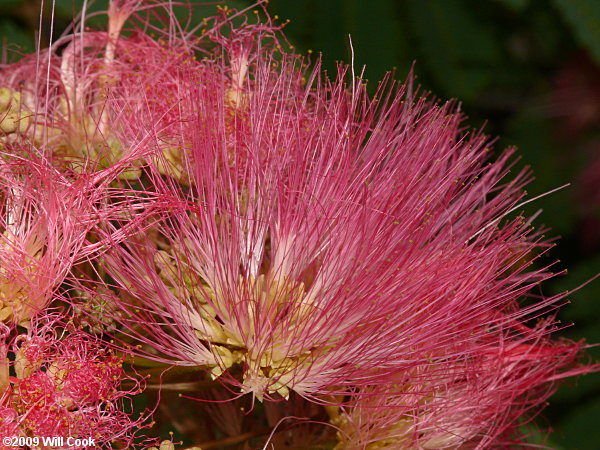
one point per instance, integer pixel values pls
(583, 17)
(527, 69)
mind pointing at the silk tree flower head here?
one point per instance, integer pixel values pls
(45, 218)
(465, 412)
(66, 383)
(56, 100)
(60, 164)
(43, 225)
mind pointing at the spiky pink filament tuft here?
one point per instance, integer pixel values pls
(67, 385)
(330, 241)
(463, 404)
(44, 221)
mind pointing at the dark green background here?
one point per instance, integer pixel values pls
(527, 69)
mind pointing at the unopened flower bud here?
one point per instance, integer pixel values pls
(9, 123)
(5, 98)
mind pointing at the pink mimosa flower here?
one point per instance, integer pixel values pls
(58, 104)
(45, 219)
(43, 225)
(67, 385)
(478, 402)
(332, 241)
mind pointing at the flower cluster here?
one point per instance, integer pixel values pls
(64, 385)
(56, 191)
(295, 238)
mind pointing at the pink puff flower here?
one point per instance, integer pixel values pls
(45, 219)
(42, 232)
(56, 101)
(477, 402)
(68, 385)
(326, 241)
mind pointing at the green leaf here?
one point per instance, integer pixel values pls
(14, 35)
(580, 430)
(583, 17)
(585, 303)
(458, 48)
(532, 133)
(10, 4)
(516, 5)
(375, 50)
